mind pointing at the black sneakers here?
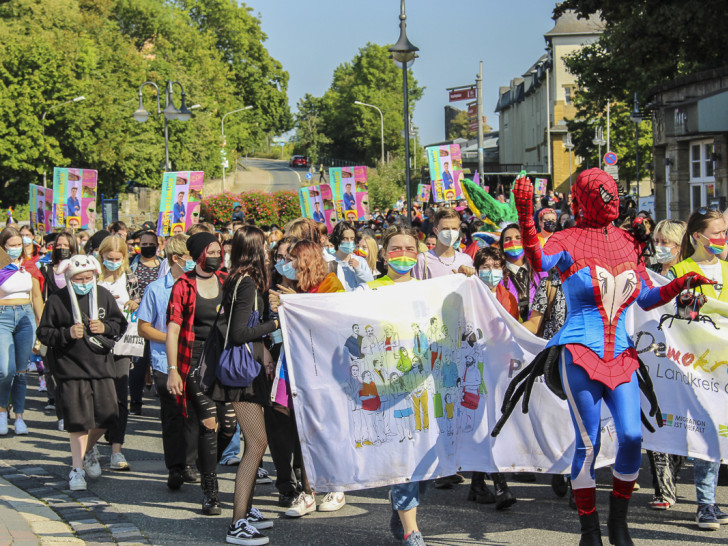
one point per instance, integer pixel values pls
(241, 532)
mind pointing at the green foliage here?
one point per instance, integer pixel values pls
(265, 208)
(54, 50)
(335, 126)
(387, 184)
(459, 127)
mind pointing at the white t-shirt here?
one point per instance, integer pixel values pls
(714, 273)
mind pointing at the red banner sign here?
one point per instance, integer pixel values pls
(462, 94)
(473, 110)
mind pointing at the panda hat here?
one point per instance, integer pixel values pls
(73, 266)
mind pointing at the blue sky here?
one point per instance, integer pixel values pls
(311, 38)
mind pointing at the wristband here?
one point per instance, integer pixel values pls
(171, 368)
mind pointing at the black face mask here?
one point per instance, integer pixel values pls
(550, 226)
(61, 254)
(149, 251)
(213, 264)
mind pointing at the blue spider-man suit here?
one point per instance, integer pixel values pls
(602, 275)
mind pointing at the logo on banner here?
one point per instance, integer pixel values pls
(723, 431)
(667, 419)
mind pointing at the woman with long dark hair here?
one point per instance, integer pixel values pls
(243, 304)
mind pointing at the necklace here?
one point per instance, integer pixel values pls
(455, 257)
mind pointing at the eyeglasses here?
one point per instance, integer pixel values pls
(711, 208)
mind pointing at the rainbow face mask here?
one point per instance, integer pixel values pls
(513, 249)
(715, 246)
(402, 261)
(362, 252)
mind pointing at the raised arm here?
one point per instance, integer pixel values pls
(651, 297)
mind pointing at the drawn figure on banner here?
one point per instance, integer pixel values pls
(433, 334)
(449, 413)
(380, 375)
(421, 346)
(403, 407)
(318, 215)
(349, 199)
(470, 400)
(391, 346)
(371, 347)
(73, 205)
(371, 405)
(447, 181)
(422, 387)
(41, 215)
(351, 387)
(353, 343)
(404, 362)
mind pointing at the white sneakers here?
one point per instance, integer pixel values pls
(77, 480)
(332, 502)
(304, 504)
(91, 464)
(118, 462)
(20, 427)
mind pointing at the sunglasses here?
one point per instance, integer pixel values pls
(705, 210)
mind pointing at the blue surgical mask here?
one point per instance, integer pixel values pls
(279, 266)
(289, 272)
(272, 245)
(27, 241)
(491, 277)
(347, 248)
(82, 288)
(189, 265)
(331, 250)
(14, 252)
(112, 266)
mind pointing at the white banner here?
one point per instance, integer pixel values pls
(367, 416)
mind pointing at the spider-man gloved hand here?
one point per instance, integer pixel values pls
(687, 281)
(523, 192)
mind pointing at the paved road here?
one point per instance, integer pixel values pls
(269, 175)
(136, 506)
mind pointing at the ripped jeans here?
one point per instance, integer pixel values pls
(17, 333)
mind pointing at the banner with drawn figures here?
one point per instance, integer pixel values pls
(317, 202)
(418, 372)
(74, 198)
(350, 192)
(40, 204)
(446, 171)
(179, 206)
(423, 193)
(540, 186)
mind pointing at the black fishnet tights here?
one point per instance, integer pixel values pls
(252, 424)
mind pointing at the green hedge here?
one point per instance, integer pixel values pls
(265, 208)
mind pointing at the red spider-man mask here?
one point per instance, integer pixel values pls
(596, 194)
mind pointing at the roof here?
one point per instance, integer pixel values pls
(569, 24)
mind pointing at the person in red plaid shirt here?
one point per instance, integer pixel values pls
(193, 308)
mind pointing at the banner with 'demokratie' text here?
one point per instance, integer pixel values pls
(406, 383)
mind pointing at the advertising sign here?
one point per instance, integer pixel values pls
(350, 192)
(74, 198)
(446, 171)
(317, 202)
(423, 193)
(41, 208)
(179, 207)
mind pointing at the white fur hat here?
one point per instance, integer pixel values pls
(78, 264)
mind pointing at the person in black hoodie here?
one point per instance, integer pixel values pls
(79, 326)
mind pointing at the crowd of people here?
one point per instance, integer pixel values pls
(66, 298)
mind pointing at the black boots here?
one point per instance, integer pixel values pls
(590, 533)
(479, 492)
(210, 502)
(503, 496)
(617, 522)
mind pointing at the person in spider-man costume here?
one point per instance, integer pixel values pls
(592, 358)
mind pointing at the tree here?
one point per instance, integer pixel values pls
(386, 184)
(459, 127)
(354, 131)
(310, 139)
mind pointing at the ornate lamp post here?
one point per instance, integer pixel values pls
(360, 103)
(637, 117)
(404, 53)
(222, 131)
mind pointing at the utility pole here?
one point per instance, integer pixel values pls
(479, 98)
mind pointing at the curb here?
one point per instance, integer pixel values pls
(54, 514)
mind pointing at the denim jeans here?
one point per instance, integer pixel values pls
(17, 332)
(706, 480)
(233, 448)
(406, 496)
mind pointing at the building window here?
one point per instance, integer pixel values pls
(702, 174)
(567, 95)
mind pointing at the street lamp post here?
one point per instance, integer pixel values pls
(360, 103)
(170, 112)
(404, 52)
(599, 141)
(636, 117)
(569, 145)
(42, 126)
(222, 132)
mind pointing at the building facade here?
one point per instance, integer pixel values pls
(690, 135)
(534, 108)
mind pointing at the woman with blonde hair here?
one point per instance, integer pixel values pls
(667, 237)
(117, 278)
(369, 250)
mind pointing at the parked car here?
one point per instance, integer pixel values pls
(298, 161)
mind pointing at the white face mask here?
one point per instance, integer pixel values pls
(448, 237)
(663, 254)
(227, 261)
